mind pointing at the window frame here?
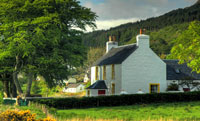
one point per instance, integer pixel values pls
(113, 88)
(154, 84)
(104, 72)
(113, 72)
(96, 73)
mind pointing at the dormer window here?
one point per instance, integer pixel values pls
(177, 71)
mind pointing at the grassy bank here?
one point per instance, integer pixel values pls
(166, 111)
(37, 111)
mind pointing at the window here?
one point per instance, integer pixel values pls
(113, 88)
(104, 72)
(113, 71)
(154, 88)
(96, 73)
(177, 71)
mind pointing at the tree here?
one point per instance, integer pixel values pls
(41, 38)
(187, 47)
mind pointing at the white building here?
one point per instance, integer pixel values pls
(130, 68)
(74, 88)
(86, 78)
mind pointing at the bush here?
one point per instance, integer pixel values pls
(118, 100)
(172, 87)
(20, 116)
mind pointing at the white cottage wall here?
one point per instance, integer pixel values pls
(116, 80)
(142, 68)
(93, 75)
(94, 92)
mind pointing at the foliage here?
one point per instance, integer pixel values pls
(118, 100)
(88, 84)
(10, 115)
(187, 47)
(172, 87)
(184, 111)
(40, 38)
(1, 92)
(36, 87)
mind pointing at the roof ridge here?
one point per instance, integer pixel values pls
(171, 59)
(126, 45)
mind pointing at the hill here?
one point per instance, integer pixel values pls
(163, 29)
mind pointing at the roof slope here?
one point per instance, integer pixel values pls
(73, 85)
(116, 55)
(177, 71)
(100, 84)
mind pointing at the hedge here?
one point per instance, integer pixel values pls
(118, 100)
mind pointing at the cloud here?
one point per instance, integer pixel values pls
(123, 9)
(106, 24)
(112, 12)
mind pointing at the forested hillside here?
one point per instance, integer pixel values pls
(162, 29)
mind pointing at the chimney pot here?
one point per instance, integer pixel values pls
(140, 31)
(114, 39)
(110, 38)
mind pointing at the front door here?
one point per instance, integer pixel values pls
(101, 92)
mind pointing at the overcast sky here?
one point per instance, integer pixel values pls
(112, 13)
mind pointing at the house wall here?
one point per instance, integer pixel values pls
(80, 88)
(142, 68)
(116, 80)
(109, 80)
(180, 88)
(70, 90)
(94, 92)
(93, 75)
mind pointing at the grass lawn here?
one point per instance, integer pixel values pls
(175, 111)
(38, 112)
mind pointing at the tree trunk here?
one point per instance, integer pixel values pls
(15, 79)
(6, 88)
(13, 90)
(29, 84)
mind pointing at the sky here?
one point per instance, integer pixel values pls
(113, 13)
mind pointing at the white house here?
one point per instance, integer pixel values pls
(74, 88)
(131, 69)
(86, 78)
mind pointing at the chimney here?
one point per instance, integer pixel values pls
(142, 40)
(111, 43)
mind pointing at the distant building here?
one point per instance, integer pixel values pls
(86, 78)
(74, 88)
(72, 80)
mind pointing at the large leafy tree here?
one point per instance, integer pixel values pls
(187, 47)
(39, 36)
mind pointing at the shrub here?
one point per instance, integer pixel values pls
(172, 87)
(118, 100)
(20, 116)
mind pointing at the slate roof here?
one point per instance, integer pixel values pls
(177, 71)
(116, 55)
(100, 84)
(73, 85)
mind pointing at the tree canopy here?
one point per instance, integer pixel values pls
(39, 37)
(187, 46)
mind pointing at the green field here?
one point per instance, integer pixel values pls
(168, 111)
(164, 111)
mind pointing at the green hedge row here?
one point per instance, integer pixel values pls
(118, 100)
